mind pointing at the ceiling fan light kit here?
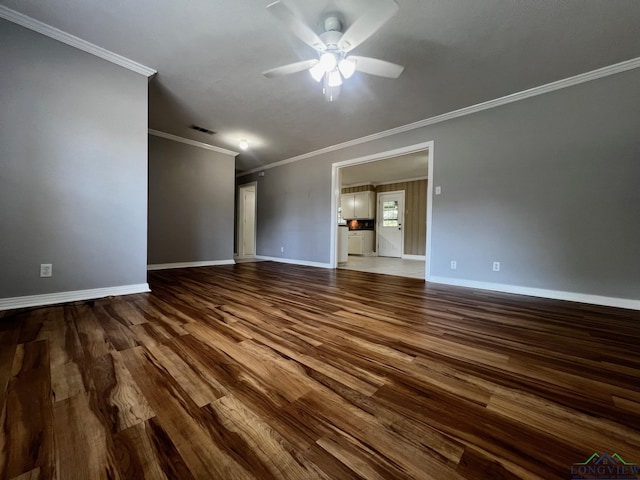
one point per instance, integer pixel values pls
(317, 72)
(332, 46)
(347, 67)
(331, 94)
(334, 79)
(328, 61)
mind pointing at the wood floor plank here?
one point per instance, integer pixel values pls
(9, 332)
(363, 465)
(264, 452)
(264, 368)
(66, 355)
(27, 435)
(116, 327)
(272, 371)
(30, 325)
(66, 381)
(85, 448)
(192, 382)
(474, 465)
(182, 420)
(116, 395)
(91, 332)
(30, 475)
(582, 431)
(142, 451)
(497, 436)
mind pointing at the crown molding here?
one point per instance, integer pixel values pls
(404, 180)
(194, 143)
(514, 97)
(354, 185)
(64, 37)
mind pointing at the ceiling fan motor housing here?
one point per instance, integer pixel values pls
(332, 24)
(331, 39)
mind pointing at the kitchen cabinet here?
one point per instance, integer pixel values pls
(360, 242)
(355, 244)
(358, 205)
(348, 206)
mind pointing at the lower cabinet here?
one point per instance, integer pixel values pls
(361, 242)
(355, 244)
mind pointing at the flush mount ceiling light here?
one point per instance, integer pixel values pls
(243, 144)
(333, 45)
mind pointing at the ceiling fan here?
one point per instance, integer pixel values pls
(333, 46)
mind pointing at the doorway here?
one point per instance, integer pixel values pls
(247, 220)
(425, 241)
(390, 221)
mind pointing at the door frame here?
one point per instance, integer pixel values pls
(404, 197)
(336, 185)
(240, 220)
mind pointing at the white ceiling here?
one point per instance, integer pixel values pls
(404, 167)
(210, 55)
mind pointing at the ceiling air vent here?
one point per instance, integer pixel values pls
(202, 129)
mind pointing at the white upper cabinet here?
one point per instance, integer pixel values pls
(347, 203)
(358, 205)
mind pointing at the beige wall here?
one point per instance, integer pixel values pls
(415, 215)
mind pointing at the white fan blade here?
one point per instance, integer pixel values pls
(367, 24)
(289, 69)
(297, 26)
(373, 66)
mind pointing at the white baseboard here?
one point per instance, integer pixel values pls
(541, 292)
(295, 262)
(166, 266)
(413, 257)
(73, 296)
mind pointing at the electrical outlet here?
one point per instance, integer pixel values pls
(46, 270)
(496, 266)
(281, 249)
(454, 264)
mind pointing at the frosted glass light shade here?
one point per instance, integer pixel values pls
(317, 72)
(328, 61)
(347, 67)
(335, 80)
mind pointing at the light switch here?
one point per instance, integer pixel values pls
(438, 190)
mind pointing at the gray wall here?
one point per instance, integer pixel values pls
(73, 168)
(191, 203)
(293, 211)
(549, 186)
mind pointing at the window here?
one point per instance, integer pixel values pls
(390, 214)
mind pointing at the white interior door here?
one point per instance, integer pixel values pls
(390, 224)
(247, 221)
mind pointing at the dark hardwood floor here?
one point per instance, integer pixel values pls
(273, 371)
